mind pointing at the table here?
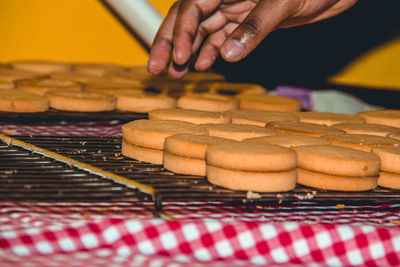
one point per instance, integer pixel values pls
(44, 234)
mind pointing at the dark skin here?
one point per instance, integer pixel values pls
(229, 28)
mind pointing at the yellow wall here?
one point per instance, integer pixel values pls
(83, 30)
(67, 30)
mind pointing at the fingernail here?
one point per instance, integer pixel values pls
(233, 49)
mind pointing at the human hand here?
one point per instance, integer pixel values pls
(231, 28)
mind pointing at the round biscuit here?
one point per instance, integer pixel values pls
(327, 118)
(191, 145)
(252, 181)
(365, 128)
(288, 140)
(18, 101)
(228, 88)
(184, 165)
(143, 154)
(12, 75)
(258, 117)
(395, 135)
(389, 180)
(142, 102)
(389, 117)
(96, 69)
(335, 182)
(303, 128)
(269, 102)
(81, 101)
(41, 66)
(44, 85)
(390, 158)
(106, 86)
(188, 115)
(251, 157)
(207, 102)
(337, 160)
(363, 142)
(237, 132)
(152, 134)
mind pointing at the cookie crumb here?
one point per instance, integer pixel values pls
(251, 195)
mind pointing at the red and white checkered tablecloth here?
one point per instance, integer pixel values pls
(95, 239)
(43, 234)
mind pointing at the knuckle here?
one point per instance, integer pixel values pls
(202, 31)
(252, 26)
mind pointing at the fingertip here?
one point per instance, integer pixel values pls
(233, 50)
(177, 72)
(182, 53)
(203, 64)
(152, 68)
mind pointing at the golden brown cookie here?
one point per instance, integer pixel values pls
(191, 145)
(395, 135)
(327, 118)
(363, 142)
(201, 76)
(288, 140)
(269, 102)
(335, 182)
(41, 66)
(336, 160)
(389, 117)
(233, 89)
(390, 158)
(185, 153)
(7, 85)
(18, 101)
(258, 117)
(184, 165)
(152, 133)
(366, 128)
(251, 157)
(188, 115)
(44, 85)
(389, 180)
(81, 101)
(97, 69)
(11, 75)
(252, 181)
(237, 132)
(207, 102)
(107, 86)
(149, 155)
(142, 102)
(77, 77)
(303, 128)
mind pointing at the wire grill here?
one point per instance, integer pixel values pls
(28, 176)
(58, 115)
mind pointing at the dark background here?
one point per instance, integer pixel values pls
(309, 54)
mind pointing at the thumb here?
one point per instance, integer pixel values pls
(263, 19)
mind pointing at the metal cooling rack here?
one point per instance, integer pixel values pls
(28, 176)
(57, 115)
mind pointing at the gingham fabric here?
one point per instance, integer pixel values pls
(95, 239)
(44, 234)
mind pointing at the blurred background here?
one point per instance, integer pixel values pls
(357, 51)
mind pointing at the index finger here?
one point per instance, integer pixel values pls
(190, 15)
(161, 49)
